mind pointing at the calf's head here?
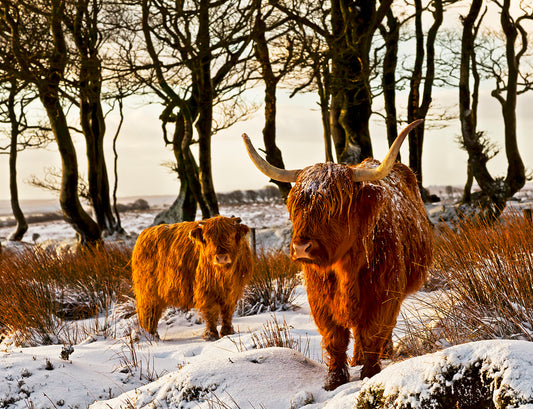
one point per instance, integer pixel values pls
(219, 239)
(331, 206)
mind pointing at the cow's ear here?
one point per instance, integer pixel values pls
(242, 230)
(197, 234)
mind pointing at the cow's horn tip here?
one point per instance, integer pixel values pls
(245, 137)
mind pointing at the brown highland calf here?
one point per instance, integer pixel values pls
(203, 265)
(364, 241)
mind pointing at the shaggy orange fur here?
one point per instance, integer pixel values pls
(203, 265)
(364, 246)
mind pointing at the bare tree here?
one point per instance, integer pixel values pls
(81, 19)
(510, 82)
(348, 28)
(419, 100)
(472, 140)
(22, 135)
(506, 92)
(36, 38)
(205, 46)
(272, 30)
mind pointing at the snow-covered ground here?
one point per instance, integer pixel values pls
(182, 371)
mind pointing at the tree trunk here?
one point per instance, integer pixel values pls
(467, 191)
(390, 61)
(353, 27)
(190, 192)
(490, 199)
(118, 225)
(93, 126)
(84, 29)
(337, 132)
(322, 78)
(273, 154)
(22, 224)
(350, 84)
(88, 231)
(419, 103)
(180, 210)
(204, 121)
(516, 177)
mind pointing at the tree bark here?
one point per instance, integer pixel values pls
(350, 26)
(22, 224)
(204, 121)
(516, 177)
(388, 81)
(323, 81)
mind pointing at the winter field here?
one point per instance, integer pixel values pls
(275, 360)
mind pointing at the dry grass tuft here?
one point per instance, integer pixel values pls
(41, 289)
(272, 286)
(275, 334)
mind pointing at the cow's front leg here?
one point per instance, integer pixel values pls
(376, 336)
(226, 311)
(335, 340)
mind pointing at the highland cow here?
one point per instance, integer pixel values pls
(203, 265)
(363, 238)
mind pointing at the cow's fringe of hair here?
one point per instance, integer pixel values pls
(319, 197)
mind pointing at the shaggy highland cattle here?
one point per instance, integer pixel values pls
(203, 265)
(364, 240)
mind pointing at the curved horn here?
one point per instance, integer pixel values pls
(281, 175)
(361, 174)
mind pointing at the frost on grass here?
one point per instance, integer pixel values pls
(484, 374)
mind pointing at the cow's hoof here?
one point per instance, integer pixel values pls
(336, 379)
(368, 371)
(226, 331)
(210, 336)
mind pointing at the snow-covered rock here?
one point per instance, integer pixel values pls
(483, 374)
(270, 378)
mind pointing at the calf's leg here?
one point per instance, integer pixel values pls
(210, 315)
(149, 314)
(226, 311)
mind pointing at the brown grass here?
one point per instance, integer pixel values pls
(40, 289)
(272, 286)
(487, 274)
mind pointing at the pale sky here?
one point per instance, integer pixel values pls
(299, 133)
